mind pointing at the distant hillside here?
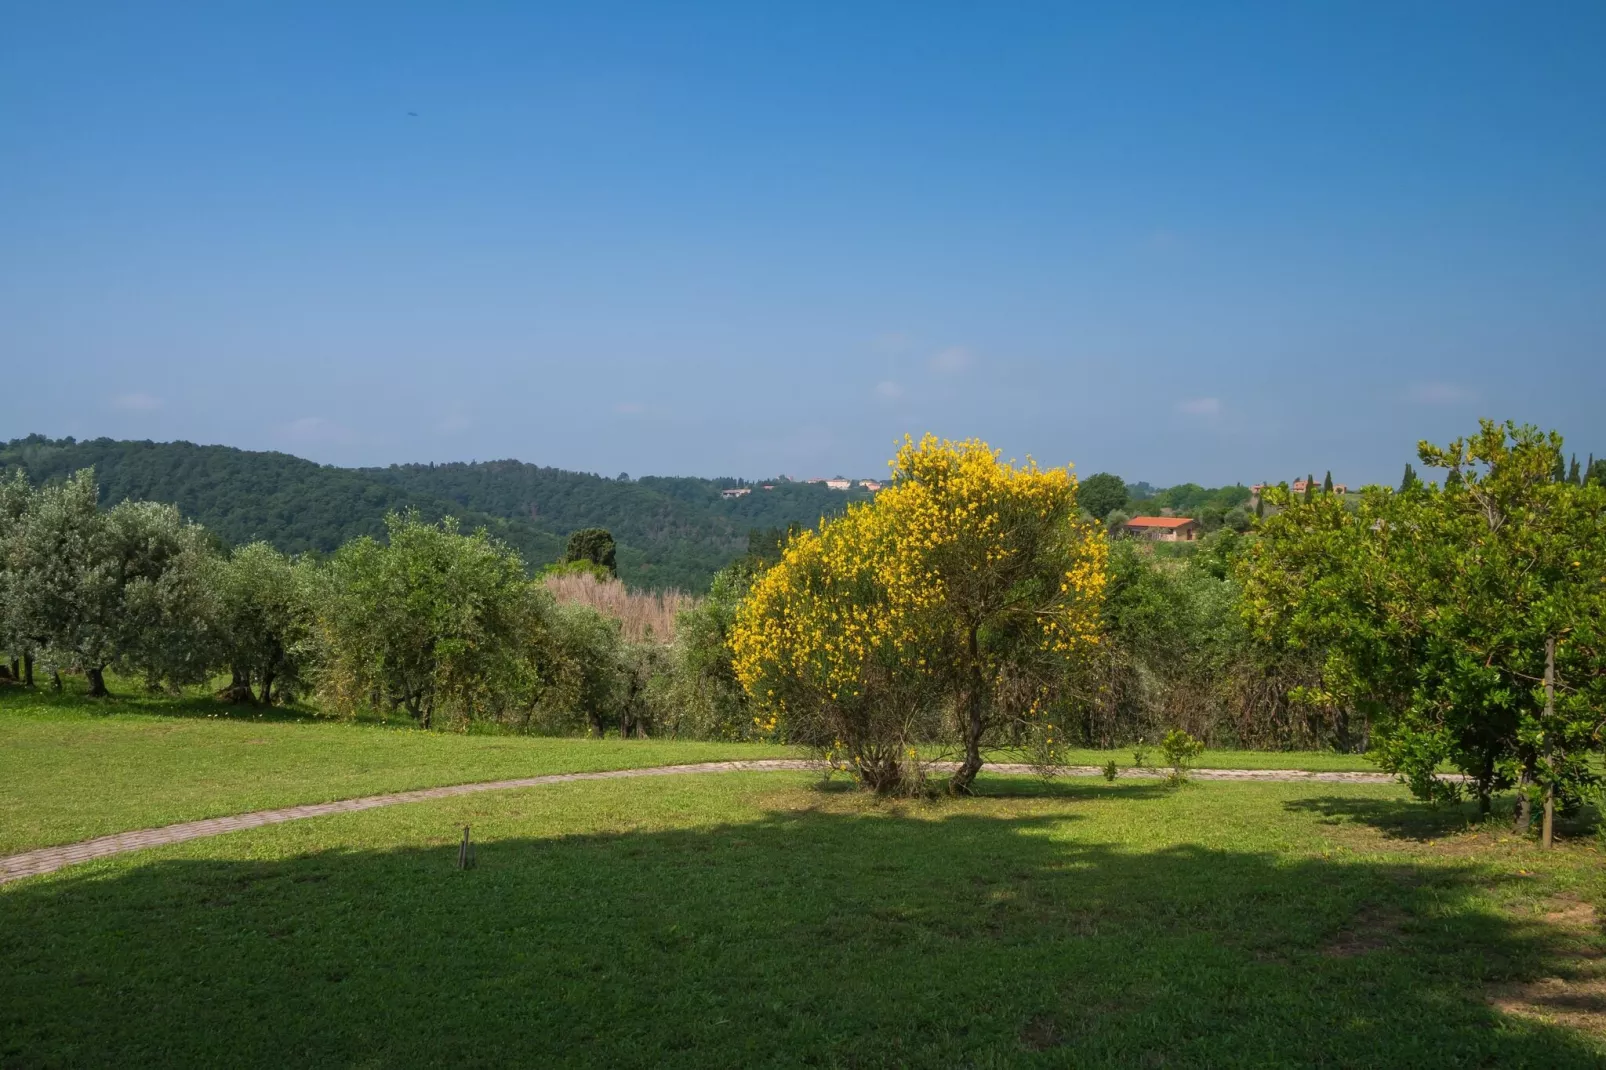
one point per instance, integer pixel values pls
(672, 532)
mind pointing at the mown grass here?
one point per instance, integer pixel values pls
(72, 768)
(762, 920)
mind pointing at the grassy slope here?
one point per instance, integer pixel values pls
(750, 920)
(71, 769)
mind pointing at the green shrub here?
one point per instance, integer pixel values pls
(1180, 749)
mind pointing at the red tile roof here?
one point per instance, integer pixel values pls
(1159, 521)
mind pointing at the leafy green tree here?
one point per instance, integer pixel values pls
(1435, 608)
(157, 598)
(1410, 479)
(430, 621)
(89, 588)
(1102, 494)
(16, 497)
(595, 545)
(702, 697)
(52, 574)
(266, 617)
(586, 684)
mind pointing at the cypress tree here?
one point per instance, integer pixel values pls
(1310, 485)
(1408, 480)
(1453, 478)
(1327, 482)
(1260, 506)
(1558, 474)
(1573, 475)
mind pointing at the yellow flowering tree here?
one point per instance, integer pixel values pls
(969, 584)
(821, 650)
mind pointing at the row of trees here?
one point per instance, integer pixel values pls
(1459, 624)
(1447, 623)
(428, 623)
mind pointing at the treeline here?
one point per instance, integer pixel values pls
(430, 623)
(1109, 498)
(673, 533)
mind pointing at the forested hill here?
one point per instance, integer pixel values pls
(672, 532)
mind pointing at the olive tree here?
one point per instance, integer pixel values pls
(430, 621)
(265, 609)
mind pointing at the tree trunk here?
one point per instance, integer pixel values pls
(970, 725)
(55, 680)
(1525, 803)
(239, 690)
(16, 669)
(1548, 828)
(27, 669)
(95, 674)
(267, 689)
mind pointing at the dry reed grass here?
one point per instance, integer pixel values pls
(643, 615)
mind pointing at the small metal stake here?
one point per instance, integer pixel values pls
(465, 852)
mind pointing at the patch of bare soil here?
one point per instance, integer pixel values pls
(1576, 997)
(1578, 1002)
(1572, 913)
(1373, 928)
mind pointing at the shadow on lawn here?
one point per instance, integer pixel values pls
(805, 938)
(128, 697)
(1408, 819)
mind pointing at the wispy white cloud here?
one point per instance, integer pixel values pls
(138, 401)
(887, 390)
(630, 408)
(952, 360)
(318, 429)
(1200, 406)
(1440, 393)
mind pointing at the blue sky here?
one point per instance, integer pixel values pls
(1186, 241)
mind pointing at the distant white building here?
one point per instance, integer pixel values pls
(839, 483)
(870, 485)
(735, 492)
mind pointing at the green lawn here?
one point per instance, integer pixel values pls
(71, 768)
(761, 920)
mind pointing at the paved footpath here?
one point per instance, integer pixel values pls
(50, 859)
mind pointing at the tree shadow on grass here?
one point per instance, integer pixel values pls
(803, 938)
(1409, 819)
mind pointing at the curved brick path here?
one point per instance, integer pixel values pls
(50, 859)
